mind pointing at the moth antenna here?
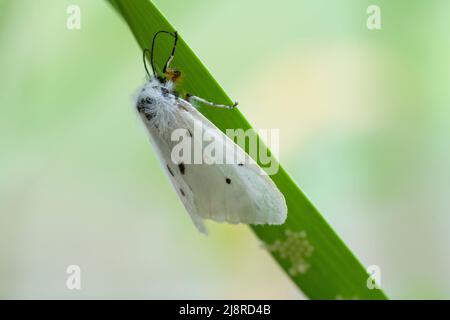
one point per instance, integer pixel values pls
(152, 52)
(172, 54)
(145, 63)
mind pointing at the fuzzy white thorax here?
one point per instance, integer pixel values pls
(156, 104)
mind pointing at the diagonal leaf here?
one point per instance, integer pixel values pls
(306, 247)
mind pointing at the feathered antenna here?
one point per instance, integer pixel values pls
(169, 60)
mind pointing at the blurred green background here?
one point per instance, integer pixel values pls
(364, 125)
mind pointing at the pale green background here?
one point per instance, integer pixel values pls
(364, 120)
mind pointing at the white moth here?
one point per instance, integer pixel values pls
(228, 192)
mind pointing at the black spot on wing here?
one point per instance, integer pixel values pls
(228, 180)
(182, 192)
(182, 168)
(240, 164)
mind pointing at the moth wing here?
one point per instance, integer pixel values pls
(236, 192)
(163, 149)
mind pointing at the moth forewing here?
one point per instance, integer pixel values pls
(233, 190)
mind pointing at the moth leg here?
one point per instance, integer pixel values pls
(209, 103)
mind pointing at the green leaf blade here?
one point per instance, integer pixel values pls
(306, 247)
